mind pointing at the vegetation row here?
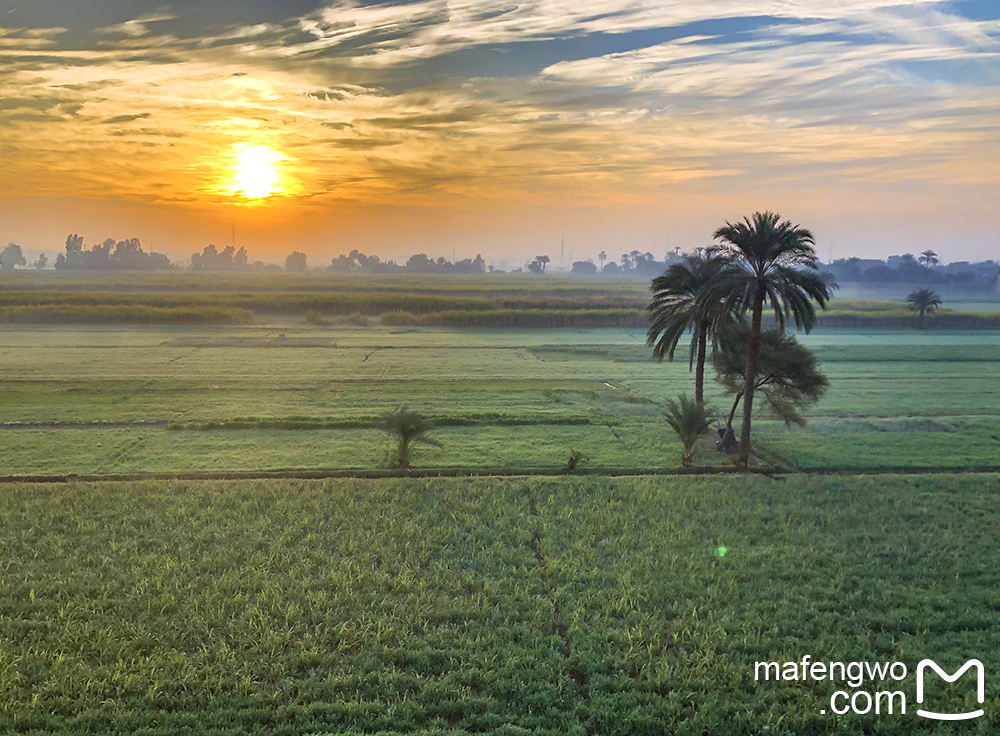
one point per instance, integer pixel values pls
(492, 419)
(122, 314)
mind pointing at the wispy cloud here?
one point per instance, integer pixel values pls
(388, 102)
(138, 26)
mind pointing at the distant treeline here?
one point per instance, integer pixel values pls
(358, 262)
(909, 269)
(111, 255)
(119, 314)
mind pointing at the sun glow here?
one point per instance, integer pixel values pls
(255, 173)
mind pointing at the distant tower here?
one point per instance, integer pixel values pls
(830, 260)
(562, 252)
(233, 243)
(453, 253)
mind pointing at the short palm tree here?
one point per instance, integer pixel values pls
(690, 420)
(678, 306)
(767, 260)
(923, 301)
(407, 427)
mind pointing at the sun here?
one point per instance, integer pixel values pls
(255, 173)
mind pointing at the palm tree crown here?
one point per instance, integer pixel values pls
(679, 305)
(689, 419)
(923, 301)
(772, 261)
(929, 258)
(407, 427)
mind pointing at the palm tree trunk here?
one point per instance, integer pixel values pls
(750, 374)
(920, 320)
(732, 413)
(699, 371)
(404, 452)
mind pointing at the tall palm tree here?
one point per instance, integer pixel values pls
(678, 306)
(923, 301)
(767, 260)
(929, 258)
(602, 257)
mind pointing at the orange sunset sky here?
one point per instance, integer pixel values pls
(500, 127)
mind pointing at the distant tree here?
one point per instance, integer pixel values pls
(544, 260)
(296, 261)
(208, 259)
(583, 268)
(690, 420)
(787, 373)
(537, 266)
(468, 265)
(647, 265)
(626, 262)
(881, 274)
(923, 301)
(928, 258)
(407, 427)
(12, 257)
(767, 260)
(602, 257)
(41, 262)
(72, 259)
(420, 263)
(612, 269)
(909, 269)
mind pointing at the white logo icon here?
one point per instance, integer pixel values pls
(980, 691)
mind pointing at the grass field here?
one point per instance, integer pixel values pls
(531, 604)
(285, 396)
(559, 606)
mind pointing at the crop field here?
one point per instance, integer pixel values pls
(283, 395)
(506, 606)
(423, 300)
(536, 603)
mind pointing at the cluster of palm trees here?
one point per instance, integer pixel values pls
(755, 263)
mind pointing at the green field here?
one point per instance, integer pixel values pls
(282, 396)
(534, 603)
(453, 606)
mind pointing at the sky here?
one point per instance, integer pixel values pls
(504, 128)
